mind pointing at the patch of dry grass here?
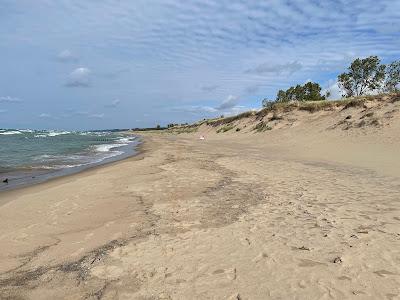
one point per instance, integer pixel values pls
(227, 120)
(225, 128)
(184, 129)
(262, 126)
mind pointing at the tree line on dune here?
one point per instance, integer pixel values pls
(363, 76)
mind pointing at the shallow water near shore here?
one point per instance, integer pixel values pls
(32, 156)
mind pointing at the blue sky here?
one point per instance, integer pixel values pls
(85, 64)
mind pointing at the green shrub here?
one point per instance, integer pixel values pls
(262, 126)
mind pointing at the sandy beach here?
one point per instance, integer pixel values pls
(297, 212)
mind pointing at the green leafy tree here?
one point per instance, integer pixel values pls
(363, 75)
(281, 96)
(392, 77)
(346, 84)
(311, 91)
(299, 93)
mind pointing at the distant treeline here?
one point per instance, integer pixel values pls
(158, 127)
(111, 130)
(363, 76)
(176, 124)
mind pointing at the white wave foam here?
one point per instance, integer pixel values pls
(60, 157)
(85, 133)
(123, 141)
(55, 133)
(106, 147)
(50, 133)
(126, 140)
(111, 154)
(10, 132)
(50, 158)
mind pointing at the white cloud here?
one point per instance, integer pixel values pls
(113, 103)
(9, 99)
(67, 56)
(3, 111)
(80, 77)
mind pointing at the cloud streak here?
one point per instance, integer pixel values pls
(96, 116)
(9, 99)
(85, 114)
(209, 88)
(47, 116)
(278, 69)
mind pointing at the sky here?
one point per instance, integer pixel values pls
(96, 64)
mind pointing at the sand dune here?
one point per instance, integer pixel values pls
(307, 209)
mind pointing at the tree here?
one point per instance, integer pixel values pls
(267, 103)
(346, 84)
(295, 93)
(298, 93)
(281, 96)
(363, 75)
(392, 77)
(311, 91)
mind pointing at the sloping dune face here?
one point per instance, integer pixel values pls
(305, 205)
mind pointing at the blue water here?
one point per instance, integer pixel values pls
(28, 153)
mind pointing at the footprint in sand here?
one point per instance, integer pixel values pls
(344, 278)
(260, 257)
(230, 273)
(309, 263)
(383, 273)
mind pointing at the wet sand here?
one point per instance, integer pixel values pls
(301, 213)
